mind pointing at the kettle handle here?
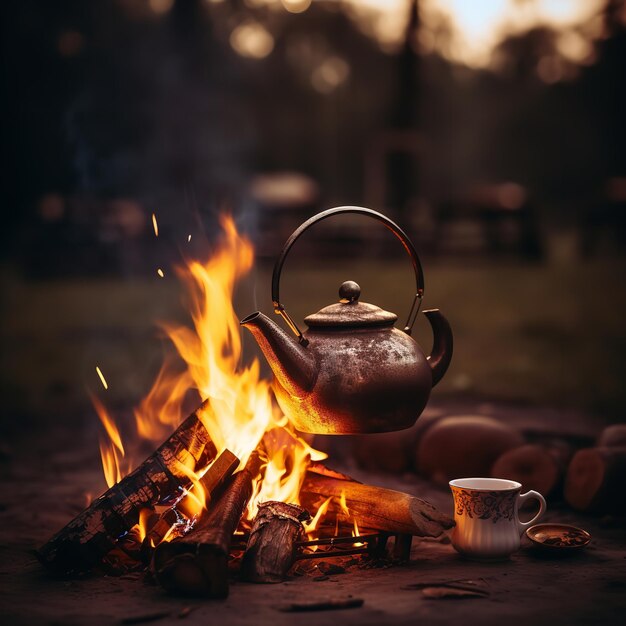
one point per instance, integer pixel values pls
(392, 226)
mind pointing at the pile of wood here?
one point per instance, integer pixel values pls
(199, 561)
(587, 473)
(596, 476)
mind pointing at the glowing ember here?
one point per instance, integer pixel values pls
(102, 378)
(160, 273)
(155, 225)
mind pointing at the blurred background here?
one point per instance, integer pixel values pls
(492, 131)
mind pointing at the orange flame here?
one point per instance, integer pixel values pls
(196, 496)
(144, 515)
(111, 450)
(344, 508)
(241, 411)
(343, 504)
(312, 526)
(161, 409)
(288, 458)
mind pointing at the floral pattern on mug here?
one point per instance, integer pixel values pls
(493, 505)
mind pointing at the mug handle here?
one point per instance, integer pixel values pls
(522, 526)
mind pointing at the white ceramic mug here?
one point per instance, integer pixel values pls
(486, 516)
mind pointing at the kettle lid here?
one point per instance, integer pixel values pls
(350, 312)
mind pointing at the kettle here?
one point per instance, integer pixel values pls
(352, 371)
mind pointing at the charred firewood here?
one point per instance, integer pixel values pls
(375, 507)
(159, 527)
(197, 564)
(83, 543)
(211, 483)
(272, 544)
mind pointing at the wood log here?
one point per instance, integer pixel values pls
(211, 482)
(374, 507)
(463, 445)
(538, 467)
(595, 480)
(197, 564)
(125, 557)
(613, 436)
(91, 535)
(159, 527)
(271, 548)
(219, 472)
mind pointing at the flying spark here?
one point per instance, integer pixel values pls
(188, 238)
(160, 273)
(102, 378)
(155, 225)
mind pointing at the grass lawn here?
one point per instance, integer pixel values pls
(548, 334)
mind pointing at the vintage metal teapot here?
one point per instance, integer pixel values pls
(352, 371)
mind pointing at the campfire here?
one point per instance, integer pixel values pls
(234, 489)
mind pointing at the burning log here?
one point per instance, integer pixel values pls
(271, 548)
(158, 528)
(83, 543)
(595, 480)
(211, 482)
(197, 564)
(219, 472)
(375, 507)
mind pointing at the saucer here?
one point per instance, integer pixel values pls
(558, 537)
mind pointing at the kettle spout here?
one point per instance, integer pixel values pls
(441, 354)
(293, 365)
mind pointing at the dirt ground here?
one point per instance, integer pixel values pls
(46, 482)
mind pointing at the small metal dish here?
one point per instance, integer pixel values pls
(558, 537)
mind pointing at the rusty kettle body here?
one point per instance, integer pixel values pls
(352, 371)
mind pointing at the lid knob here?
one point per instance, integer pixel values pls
(349, 291)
